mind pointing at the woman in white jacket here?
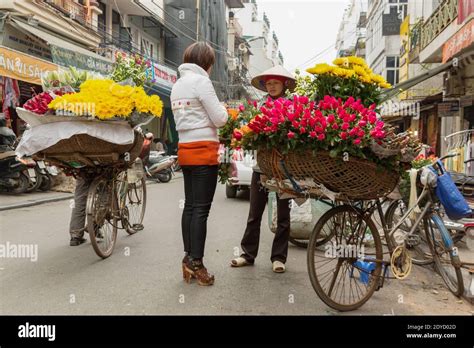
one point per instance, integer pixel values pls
(198, 114)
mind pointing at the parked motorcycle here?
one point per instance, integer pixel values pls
(14, 174)
(46, 174)
(33, 173)
(160, 167)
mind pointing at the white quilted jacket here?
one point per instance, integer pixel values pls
(196, 108)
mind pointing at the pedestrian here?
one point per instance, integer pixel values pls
(198, 114)
(275, 82)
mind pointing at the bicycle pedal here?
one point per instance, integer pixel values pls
(138, 227)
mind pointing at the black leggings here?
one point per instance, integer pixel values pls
(199, 187)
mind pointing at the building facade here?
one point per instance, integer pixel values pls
(263, 42)
(352, 30)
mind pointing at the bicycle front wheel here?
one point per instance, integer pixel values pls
(345, 258)
(101, 216)
(444, 253)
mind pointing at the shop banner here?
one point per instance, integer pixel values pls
(164, 75)
(67, 57)
(23, 42)
(22, 67)
(462, 39)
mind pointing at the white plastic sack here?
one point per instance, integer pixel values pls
(46, 135)
(303, 217)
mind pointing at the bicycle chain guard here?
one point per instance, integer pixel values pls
(400, 262)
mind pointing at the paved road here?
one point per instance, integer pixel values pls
(143, 275)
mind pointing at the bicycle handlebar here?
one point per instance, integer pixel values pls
(469, 160)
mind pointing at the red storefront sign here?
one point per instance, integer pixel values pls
(462, 39)
(465, 8)
(164, 75)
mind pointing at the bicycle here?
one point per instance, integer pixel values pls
(420, 252)
(346, 235)
(114, 195)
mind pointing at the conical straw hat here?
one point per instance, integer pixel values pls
(278, 70)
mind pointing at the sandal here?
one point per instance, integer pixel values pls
(278, 267)
(240, 262)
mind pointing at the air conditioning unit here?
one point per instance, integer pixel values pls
(453, 84)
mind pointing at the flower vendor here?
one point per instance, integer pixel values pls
(275, 82)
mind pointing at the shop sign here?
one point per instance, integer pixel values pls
(448, 109)
(164, 75)
(391, 24)
(29, 44)
(462, 39)
(19, 66)
(465, 101)
(67, 57)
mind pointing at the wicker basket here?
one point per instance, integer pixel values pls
(83, 149)
(356, 179)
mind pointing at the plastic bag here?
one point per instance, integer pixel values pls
(449, 195)
(303, 217)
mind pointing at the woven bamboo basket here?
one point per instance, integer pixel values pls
(355, 179)
(83, 149)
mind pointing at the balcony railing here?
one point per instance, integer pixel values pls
(71, 8)
(443, 16)
(415, 41)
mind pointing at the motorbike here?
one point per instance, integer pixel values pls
(160, 167)
(16, 176)
(46, 174)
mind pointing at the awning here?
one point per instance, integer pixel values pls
(20, 66)
(462, 60)
(67, 53)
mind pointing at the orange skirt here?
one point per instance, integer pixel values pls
(198, 153)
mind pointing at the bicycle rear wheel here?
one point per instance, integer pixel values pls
(344, 258)
(417, 246)
(101, 216)
(445, 254)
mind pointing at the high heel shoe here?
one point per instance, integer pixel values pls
(185, 260)
(195, 269)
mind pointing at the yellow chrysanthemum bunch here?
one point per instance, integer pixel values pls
(320, 69)
(106, 99)
(348, 67)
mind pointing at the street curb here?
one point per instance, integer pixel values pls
(38, 202)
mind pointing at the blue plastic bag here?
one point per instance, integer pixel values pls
(449, 195)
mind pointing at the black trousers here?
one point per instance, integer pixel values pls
(199, 188)
(251, 239)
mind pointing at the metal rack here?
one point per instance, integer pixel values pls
(458, 139)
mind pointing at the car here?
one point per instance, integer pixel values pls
(241, 174)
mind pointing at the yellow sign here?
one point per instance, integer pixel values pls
(404, 48)
(23, 67)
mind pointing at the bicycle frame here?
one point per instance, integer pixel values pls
(447, 240)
